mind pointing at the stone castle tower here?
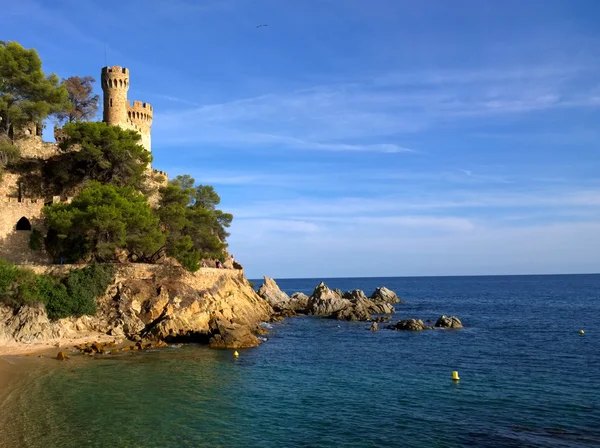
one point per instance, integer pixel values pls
(117, 109)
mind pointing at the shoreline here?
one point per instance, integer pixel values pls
(36, 348)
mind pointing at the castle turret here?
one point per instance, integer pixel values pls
(115, 83)
(117, 109)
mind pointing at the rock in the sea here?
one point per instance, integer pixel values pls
(61, 356)
(299, 301)
(325, 302)
(230, 335)
(361, 308)
(409, 325)
(448, 322)
(352, 305)
(384, 295)
(270, 291)
(354, 296)
(374, 327)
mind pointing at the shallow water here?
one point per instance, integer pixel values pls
(527, 378)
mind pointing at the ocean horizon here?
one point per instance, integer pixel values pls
(528, 377)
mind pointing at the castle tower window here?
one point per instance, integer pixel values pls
(23, 224)
(111, 102)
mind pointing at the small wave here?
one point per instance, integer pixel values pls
(266, 325)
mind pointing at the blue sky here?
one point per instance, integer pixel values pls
(363, 138)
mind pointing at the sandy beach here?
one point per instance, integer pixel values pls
(22, 348)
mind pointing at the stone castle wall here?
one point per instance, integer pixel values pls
(204, 278)
(14, 244)
(33, 147)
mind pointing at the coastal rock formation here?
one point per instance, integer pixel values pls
(352, 305)
(27, 324)
(448, 322)
(384, 295)
(374, 326)
(231, 335)
(152, 303)
(361, 308)
(324, 301)
(299, 302)
(409, 325)
(278, 299)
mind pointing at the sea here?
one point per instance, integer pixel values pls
(528, 378)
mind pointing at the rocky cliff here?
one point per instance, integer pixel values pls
(154, 302)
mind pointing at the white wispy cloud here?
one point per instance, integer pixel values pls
(382, 110)
(305, 208)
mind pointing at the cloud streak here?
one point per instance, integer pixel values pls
(385, 109)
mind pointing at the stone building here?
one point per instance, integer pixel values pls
(19, 214)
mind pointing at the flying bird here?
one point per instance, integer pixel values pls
(262, 25)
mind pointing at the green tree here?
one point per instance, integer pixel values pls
(83, 104)
(100, 221)
(107, 154)
(26, 94)
(195, 228)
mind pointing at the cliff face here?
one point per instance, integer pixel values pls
(160, 302)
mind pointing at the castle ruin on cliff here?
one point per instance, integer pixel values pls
(19, 213)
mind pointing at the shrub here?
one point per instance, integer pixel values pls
(17, 286)
(74, 295)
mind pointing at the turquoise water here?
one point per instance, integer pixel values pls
(528, 378)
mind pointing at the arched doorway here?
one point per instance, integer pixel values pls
(23, 224)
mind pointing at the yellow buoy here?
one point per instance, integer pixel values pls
(455, 376)
(581, 332)
(236, 354)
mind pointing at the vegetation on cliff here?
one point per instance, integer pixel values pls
(74, 295)
(195, 228)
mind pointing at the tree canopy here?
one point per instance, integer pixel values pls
(100, 221)
(95, 151)
(83, 104)
(26, 93)
(195, 228)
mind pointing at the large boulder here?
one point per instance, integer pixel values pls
(409, 325)
(448, 322)
(324, 301)
(231, 335)
(270, 291)
(27, 323)
(384, 295)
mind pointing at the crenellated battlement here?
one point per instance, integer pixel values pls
(140, 112)
(22, 202)
(115, 77)
(115, 69)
